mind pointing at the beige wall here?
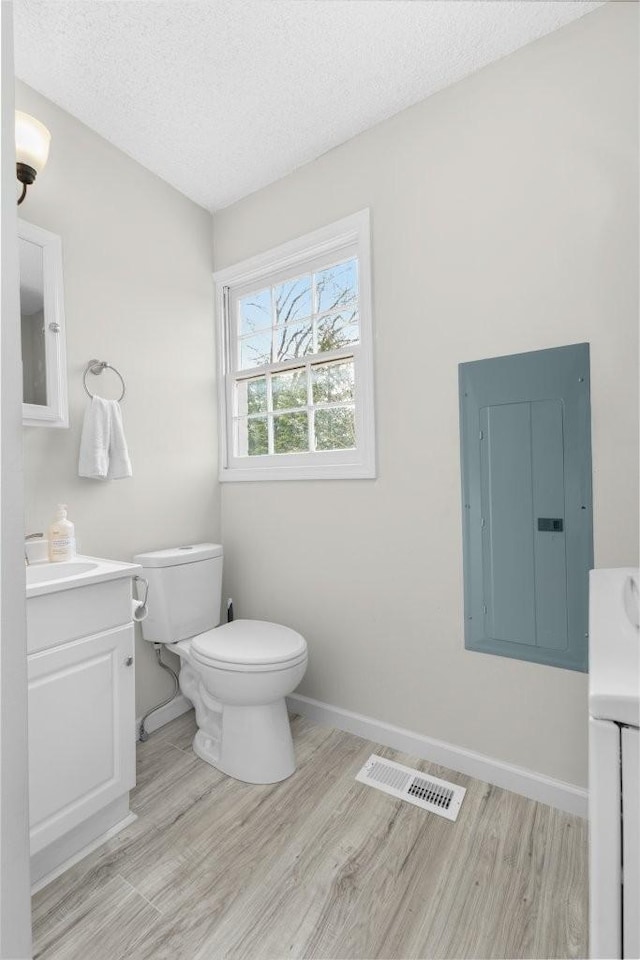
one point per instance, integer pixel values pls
(138, 293)
(504, 219)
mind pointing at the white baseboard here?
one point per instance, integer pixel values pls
(84, 852)
(528, 783)
(166, 714)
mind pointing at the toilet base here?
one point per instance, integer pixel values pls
(252, 743)
(255, 746)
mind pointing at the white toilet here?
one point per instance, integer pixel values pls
(236, 675)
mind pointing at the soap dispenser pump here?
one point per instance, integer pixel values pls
(62, 543)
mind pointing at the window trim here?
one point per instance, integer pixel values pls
(352, 231)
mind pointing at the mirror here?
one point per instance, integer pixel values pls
(42, 327)
(34, 374)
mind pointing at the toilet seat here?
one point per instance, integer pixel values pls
(248, 646)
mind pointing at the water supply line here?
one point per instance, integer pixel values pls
(142, 733)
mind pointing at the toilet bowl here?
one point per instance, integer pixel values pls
(236, 675)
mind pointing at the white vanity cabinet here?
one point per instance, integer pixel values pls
(614, 763)
(630, 750)
(82, 737)
(81, 731)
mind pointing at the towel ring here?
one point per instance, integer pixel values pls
(96, 367)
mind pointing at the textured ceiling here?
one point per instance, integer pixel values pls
(220, 98)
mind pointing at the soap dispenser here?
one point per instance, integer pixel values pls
(62, 543)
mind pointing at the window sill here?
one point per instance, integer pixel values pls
(334, 471)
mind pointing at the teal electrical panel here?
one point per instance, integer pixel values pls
(525, 438)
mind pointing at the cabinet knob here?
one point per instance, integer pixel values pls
(128, 661)
(54, 327)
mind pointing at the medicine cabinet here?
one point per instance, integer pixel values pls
(44, 368)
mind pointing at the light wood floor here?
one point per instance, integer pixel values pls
(319, 866)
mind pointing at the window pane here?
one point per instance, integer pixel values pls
(252, 396)
(336, 286)
(255, 312)
(335, 429)
(252, 437)
(293, 300)
(290, 433)
(289, 389)
(292, 341)
(332, 382)
(257, 395)
(255, 351)
(338, 330)
(258, 436)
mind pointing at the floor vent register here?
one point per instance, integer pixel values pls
(430, 793)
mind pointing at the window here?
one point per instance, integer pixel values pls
(295, 349)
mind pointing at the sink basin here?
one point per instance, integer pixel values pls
(46, 572)
(45, 578)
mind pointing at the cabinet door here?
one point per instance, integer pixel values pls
(630, 842)
(44, 369)
(81, 731)
(605, 840)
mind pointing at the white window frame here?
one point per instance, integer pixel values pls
(347, 237)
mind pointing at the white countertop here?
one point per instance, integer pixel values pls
(614, 647)
(45, 578)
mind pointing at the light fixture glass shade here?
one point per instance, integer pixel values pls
(32, 141)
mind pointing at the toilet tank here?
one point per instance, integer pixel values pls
(185, 590)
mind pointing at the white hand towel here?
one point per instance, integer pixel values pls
(119, 462)
(93, 461)
(103, 448)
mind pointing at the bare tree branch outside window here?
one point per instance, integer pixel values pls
(281, 325)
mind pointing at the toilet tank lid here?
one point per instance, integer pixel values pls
(176, 556)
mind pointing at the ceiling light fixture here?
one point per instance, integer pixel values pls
(32, 149)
